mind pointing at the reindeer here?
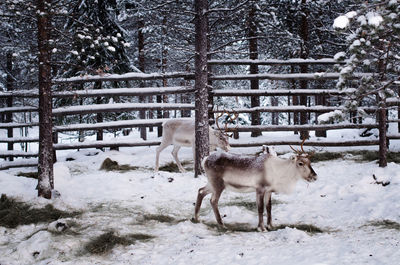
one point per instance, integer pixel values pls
(264, 174)
(181, 132)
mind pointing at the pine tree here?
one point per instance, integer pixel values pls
(374, 45)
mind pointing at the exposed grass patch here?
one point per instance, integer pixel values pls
(386, 224)
(173, 168)
(244, 227)
(326, 156)
(33, 175)
(161, 218)
(252, 206)
(111, 165)
(107, 241)
(359, 156)
(231, 227)
(311, 229)
(14, 213)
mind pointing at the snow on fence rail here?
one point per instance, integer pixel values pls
(296, 61)
(110, 125)
(308, 143)
(278, 92)
(17, 125)
(274, 128)
(285, 77)
(134, 91)
(124, 77)
(120, 107)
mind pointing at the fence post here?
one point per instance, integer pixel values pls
(99, 116)
(383, 147)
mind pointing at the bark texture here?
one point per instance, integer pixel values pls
(201, 79)
(45, 166)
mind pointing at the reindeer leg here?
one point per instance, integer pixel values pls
(200, 196)
(175, 155)
(260, 206)
(162, 146)
(214, 203)
(268, 208)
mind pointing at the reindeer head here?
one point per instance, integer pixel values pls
(303, 163)
(222, 140)
(230, 117)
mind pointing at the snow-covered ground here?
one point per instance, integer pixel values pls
(344, 202)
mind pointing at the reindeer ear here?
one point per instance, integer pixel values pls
(293, 158)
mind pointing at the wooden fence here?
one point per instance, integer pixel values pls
(214, 94)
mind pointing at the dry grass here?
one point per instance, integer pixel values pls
(14, 213)
(111, 165)
(106, 242)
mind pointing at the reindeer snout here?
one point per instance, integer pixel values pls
(312, 177)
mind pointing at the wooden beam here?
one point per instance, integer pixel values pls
(277, 92)
(120, 107)
(285, 77)
(297, 61)
(134, 91)
(124, 77)
(111, 125)
(17, 125)
(308, 143)
(101, 144)
(277, 128)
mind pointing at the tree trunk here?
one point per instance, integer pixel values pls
(253, 52)
(142, 99)
(201, 77)
(45, 166)
(10, 87)
(398, 113)
(304, 53)
(164, 63)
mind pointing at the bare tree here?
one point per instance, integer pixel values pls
(201, 103)
(45, 167)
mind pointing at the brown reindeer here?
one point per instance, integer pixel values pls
(264, 174)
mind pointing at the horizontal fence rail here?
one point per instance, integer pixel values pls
(285, 77)
(124, 77)
(297, 61)
(120, 107)
(136, 91)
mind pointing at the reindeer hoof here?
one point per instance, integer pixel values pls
(270, 228)
(261, 229)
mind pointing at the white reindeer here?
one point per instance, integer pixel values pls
(264, 174)
(181, 132)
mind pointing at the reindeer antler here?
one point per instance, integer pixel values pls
(231, 116)
(300, 151)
